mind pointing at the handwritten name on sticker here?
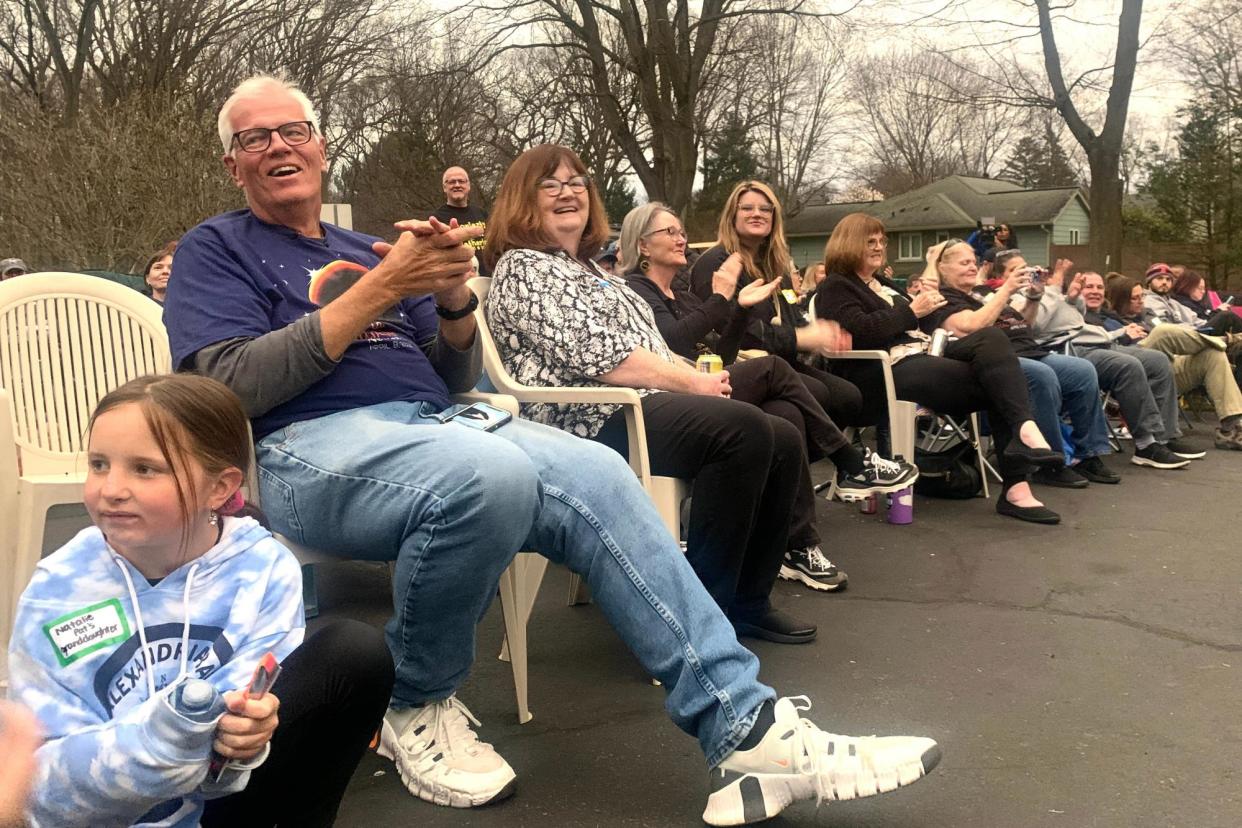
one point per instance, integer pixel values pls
(84, 631)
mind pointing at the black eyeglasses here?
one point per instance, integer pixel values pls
(554, 186)
(294, 133)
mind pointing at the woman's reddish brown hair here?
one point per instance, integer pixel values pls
(847, 246)
(516, 221)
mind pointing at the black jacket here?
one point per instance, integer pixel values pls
(780, 340)
(872, 323)
(691, 325)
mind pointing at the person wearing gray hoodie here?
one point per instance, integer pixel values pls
(1139, 379)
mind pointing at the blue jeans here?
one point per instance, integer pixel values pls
(453, 505)
(1059, 383)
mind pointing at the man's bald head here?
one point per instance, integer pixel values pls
(456, 183)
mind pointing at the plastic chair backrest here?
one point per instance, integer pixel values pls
(66, 340)
(495, 368)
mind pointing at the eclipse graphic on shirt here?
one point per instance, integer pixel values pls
(333, 279)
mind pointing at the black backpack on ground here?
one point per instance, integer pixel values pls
(951, 473)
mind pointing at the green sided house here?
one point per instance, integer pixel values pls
(948, 209)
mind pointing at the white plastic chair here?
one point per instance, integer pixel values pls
(66, 340)
(666, 492)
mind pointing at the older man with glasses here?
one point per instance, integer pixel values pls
(344, 350)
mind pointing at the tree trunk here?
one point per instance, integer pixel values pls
(1105, 202)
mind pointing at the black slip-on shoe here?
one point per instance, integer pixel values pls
(1031, 514)
(1062, 477)
(1021, 452)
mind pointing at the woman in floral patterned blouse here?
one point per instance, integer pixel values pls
(559, 320)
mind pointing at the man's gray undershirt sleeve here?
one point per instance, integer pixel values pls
(460, 370)
(271, 369)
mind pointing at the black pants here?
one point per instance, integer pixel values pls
(841, 399)
(977, 373)
(1223, 322)
(745, 466)
(773, 385)
(333, 692)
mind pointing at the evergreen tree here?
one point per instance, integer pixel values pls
(727, 159)
(1040, 161)
(1197, 191)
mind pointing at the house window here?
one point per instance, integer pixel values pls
(908, 246)
(943, 236)
(1074, 237)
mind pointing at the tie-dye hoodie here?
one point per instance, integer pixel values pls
(96, 648)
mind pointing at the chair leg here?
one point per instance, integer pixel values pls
(310, 592)
(31, 519)
(515, 638)
(984, 465)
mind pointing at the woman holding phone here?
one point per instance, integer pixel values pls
(1056, 382)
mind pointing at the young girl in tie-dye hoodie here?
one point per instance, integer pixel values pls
(167, 587)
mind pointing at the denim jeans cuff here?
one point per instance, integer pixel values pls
(735, 736)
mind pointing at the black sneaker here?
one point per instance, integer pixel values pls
(811, 568)
(1159, 457)
(1093, 469)
(1183, 449)
(1063, 477)
(878, 476)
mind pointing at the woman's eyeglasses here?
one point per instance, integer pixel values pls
(672, 232)
(554, 186)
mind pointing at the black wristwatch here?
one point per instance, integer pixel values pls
(460, 313)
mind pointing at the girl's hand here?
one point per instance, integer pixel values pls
(247, 727)
(833, 337)
(724, 280)
(756, 292)
(19, 739)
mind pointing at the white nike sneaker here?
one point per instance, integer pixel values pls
(440, 759)
(796, 760)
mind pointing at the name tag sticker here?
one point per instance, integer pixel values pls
(790, 296)
(84, 631)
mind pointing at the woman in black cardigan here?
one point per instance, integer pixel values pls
(977, 372)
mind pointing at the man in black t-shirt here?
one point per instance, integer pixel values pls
(456, 183)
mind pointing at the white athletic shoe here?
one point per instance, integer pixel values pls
(440, 759)
(796, 760)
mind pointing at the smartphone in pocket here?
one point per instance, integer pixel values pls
(478, 415)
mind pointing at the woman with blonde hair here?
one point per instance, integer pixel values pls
(751, 244)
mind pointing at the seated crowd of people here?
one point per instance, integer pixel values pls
(339, 353)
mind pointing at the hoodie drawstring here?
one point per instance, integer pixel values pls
(142, 628)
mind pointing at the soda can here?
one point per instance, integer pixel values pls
(870, 505)
(709, 364)
(939, 341)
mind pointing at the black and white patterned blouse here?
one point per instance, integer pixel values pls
(560, 322)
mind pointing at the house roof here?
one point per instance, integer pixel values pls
(956, 201)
